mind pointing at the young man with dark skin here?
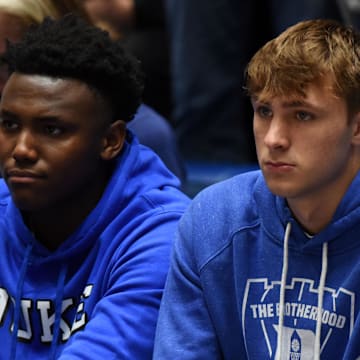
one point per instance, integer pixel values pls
(87, 214)
(266, 264)
(15, 18)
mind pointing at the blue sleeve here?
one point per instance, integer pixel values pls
(122, 325)
(184, 329)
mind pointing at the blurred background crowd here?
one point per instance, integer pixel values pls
(195, 113)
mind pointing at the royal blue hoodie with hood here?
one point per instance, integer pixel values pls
(246, 282)
(97, 295)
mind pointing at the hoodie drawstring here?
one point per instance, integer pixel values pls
(58, 310)
(17, 309)
(320, 300)
(324, 263)
(17, 305)
(282, 288)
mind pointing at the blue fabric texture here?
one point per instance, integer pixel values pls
(97, 295)
(222, 295)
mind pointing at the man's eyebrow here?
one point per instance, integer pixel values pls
(295, 103)
(286, 104)
(48, 118)
(7, 113)
(45, 118)
(301, 103)
(255, 99)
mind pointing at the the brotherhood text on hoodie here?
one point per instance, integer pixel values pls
(247, 283)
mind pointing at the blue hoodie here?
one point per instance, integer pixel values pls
(97, 295)
(246, 282)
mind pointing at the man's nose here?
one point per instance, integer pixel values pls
(277, 135)
(25, 147)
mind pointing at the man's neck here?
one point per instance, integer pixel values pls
(53, 226)
(313, 218)
(53, 229)
(315, 211)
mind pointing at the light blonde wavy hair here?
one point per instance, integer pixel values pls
(34, 11)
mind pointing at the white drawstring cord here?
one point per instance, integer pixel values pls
(321, 288)
(282, 290)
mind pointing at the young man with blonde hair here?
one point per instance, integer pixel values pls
(266, 264)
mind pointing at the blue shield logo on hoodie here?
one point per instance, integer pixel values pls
(260, 317)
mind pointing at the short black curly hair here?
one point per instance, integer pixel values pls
(71, 48)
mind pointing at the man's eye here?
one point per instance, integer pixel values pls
(264, 111)
(8, 124)
(303, 116)
(53, 130)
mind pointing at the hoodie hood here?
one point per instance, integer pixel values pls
(138, 210)
(138, 172)
(250, 281)
(346, 217)
(344, 221)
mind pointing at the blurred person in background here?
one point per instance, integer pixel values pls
(210, 44)
(141, 26)
(17, 15)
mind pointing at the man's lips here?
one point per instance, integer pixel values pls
(22, 176)
(278, 165)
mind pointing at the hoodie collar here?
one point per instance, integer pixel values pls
(275, 215)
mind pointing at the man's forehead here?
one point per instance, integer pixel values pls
(44, 80)
(293, 90)
(25, 86)
(298, 96)
(34, 96)
(27, 90)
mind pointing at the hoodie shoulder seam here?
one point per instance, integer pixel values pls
(227, 244)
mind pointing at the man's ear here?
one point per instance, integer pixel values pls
(356, 129)
(113, 140)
